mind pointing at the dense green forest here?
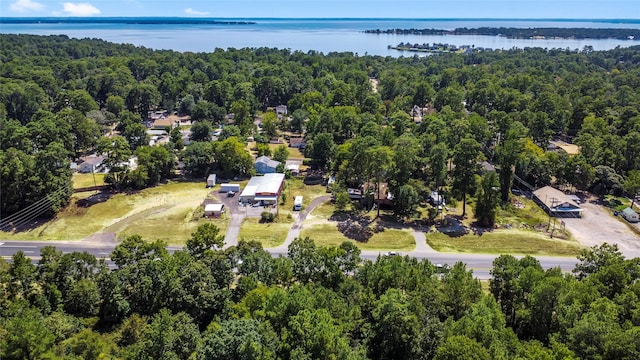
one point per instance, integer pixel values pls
(59, 96)
(317, 303)
(523, 33)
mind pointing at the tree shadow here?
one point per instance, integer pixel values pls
(94, 199)
(452, 226)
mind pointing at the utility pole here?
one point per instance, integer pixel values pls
(553, 205)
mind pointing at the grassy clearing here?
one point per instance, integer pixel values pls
(529, 215)
(328, 235)
(269, 234)
(504, 241)
(295, 187)
(294, 153)
(324, 211)
(87, 180)
(165, 206)
(173, 225)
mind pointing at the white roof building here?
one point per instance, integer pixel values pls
(265, 188)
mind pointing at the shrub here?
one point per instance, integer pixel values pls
(267, 216)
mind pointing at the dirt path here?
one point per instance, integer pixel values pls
(294, 232)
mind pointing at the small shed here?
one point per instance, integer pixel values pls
(229, 187)
(214, 210)
(294, 169)
(630, 215)
(211, 180)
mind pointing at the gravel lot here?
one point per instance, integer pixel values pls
(598, 225)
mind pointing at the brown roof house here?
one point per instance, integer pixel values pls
(383, 197)
(297, 142)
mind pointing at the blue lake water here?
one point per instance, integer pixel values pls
(324, 35)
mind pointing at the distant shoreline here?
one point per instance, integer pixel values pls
(524, 33)
(125, 20)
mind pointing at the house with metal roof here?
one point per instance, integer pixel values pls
(556, 203)
(265, 165)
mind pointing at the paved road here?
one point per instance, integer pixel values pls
(480, 263)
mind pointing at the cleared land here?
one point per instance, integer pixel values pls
(87, 180)
(295, 187)
(503, 241)
(269, 234)
(389, 239)
(163, 212)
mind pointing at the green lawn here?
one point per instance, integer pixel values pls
(87, 180)
(269, 234)
(328, 235)
(503, 242)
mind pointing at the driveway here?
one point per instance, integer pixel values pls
(598, 225)
(294, 232)
(237, 213)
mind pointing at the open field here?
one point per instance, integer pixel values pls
(502, 242)
(166, 207)
(328, 235)
(269, 234)
(87, 180)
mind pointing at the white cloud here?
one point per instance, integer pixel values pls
(190, 11)
(79, 9)
(25, 5)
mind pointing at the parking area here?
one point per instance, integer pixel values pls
(598, 225)
(243, 210)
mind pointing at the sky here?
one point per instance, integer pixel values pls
(518, 9)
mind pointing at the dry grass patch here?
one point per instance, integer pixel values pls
(120, 211)
(173, 225)
(503, 242)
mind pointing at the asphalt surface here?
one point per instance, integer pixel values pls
(481, 264)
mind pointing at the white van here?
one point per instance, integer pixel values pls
(297, 203)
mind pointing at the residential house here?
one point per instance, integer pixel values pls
(297, 142)
(382, 197)
(90, 164)
(265, 165)
(166, 122)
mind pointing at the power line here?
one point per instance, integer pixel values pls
(34, 210)
(34, 205)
